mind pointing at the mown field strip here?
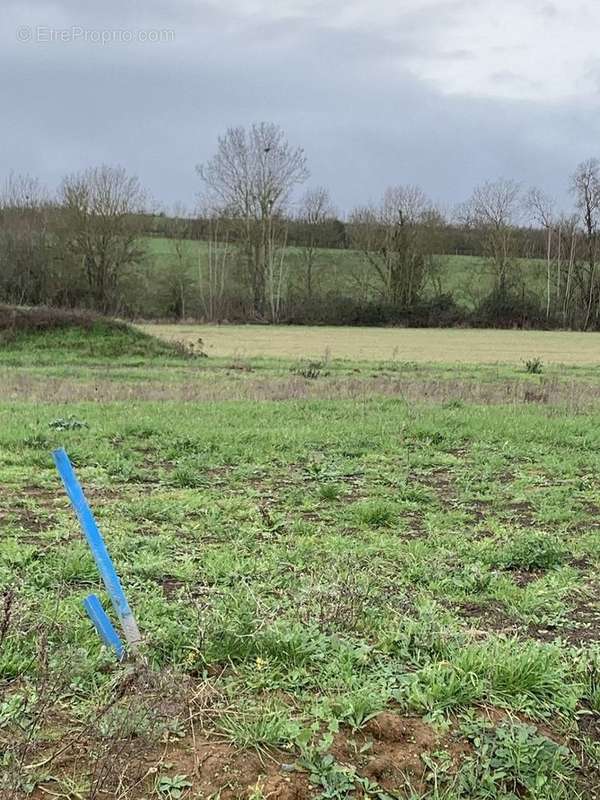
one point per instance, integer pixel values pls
(435, 345)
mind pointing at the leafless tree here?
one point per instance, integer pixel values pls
(177, 268)
(23, 192)
(585, 185)
(251, 178)
(25, 241)
(390, 235)
(493, 209)
(315, 209)
(568, 234)
(100, 228)
(214, 274)
(541, 209)
(277, 276)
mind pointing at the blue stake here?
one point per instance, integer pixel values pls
(98, 548)
(103, 625)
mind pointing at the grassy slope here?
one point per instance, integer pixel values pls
(48, 336)
(468, 278)
(299, 567)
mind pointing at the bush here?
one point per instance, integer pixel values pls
(309, 370)
(534, 366)
(505, 308)
(440, 311)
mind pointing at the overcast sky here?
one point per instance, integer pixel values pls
(443, 93)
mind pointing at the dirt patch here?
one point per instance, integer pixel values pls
(415, 529)
(42, 495)
(392, 746)
(236, 774)
(487, 617)
(582, 627)
(589, 725)
(443, 483)
(523, 577)
(213, 769)
(388, 750)
(521, 512)
(478, 510)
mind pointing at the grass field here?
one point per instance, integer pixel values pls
(347, 588)
(449, 346)
(468, 278)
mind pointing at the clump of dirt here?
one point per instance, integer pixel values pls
(388, 750)
(240, 773)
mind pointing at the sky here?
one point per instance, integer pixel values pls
(440, 93)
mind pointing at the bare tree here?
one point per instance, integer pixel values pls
(277, 274)
(177, 269)
(101, 231)
(25, 241)
(22, 192)
(585, 185)
(390, 235)
(541, 208)
(213, 278)
(315, 209)
(493, 209)
(251, 178)
(568, 233)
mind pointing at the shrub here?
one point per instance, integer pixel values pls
(504, 308)
(534, 366)
(310, 370)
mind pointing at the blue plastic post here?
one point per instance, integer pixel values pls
(98, 548)
(103, 625)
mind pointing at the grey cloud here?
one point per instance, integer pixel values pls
(346, 96)
(457, 55)
(507, 76)
(549, 10)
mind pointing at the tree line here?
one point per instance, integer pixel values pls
(266, 243)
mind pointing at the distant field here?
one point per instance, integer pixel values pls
(381, 344)
(467, 278)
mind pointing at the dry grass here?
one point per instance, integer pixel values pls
(379, 344)
(574, 395)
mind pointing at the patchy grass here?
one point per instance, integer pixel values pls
(341, 598)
